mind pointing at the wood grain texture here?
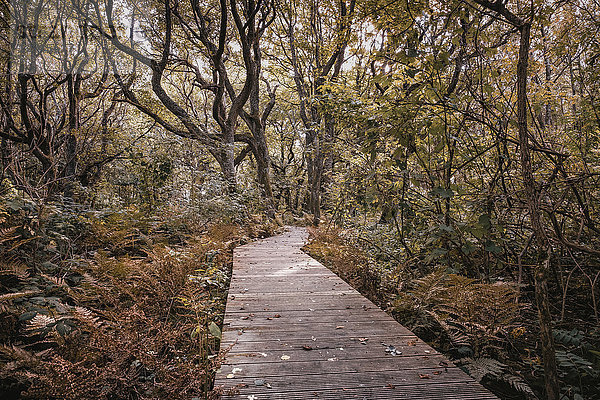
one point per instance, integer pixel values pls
(294, 330)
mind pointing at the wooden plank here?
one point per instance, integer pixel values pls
(423, 391)
(268, 345)
(294, 330)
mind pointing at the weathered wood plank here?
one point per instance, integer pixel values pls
(294, 330)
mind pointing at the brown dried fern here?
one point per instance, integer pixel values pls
(39, 322)
(11, 296)
(86, 316)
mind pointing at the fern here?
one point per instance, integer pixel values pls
(517, 383)
(483, 367)
(455, 331)
(39, 323)
(18, 355)
(15, 268)
(490, 368)
(8, 234)
(86, 316)
(568, 361)
(568, 338)
(6, 298)
(56, 280)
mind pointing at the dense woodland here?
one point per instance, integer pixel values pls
(446, 153)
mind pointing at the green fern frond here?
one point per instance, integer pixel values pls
(490, 368)
(517, 383)
(482, 367)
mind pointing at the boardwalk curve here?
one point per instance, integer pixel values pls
(295, 330)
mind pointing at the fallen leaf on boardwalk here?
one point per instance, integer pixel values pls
(269, 318)
(307, 348)
(363, 340)
(284, 357)
(332, 359)
(412, 343)
(390, 386)
(339, 327)
(230, 376)
(277, 316)
(244, 317)
(236, 370)
(268, 385)
(437, 372)
(424, 376)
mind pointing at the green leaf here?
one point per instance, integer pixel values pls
(398, 153)
(443, 193)
(446, 228)
(485, 221)
(493, 248)
(435, 254)
(62, 328)
(468, 248)
(27, 315)
(214, 330)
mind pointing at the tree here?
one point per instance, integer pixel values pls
(56, 77)
(194, 43)
(532, 190)
(313, 64)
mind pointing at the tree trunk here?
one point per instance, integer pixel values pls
(328, 159)
(542, 269)
(263, 169)
(71, 147)
(315, 184)
(309, 150)
(225, 156)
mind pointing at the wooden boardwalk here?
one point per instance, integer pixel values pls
(295, 330)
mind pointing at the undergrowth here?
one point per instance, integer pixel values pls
(111, 304)
(487, 328)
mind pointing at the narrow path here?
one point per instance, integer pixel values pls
(295, 330)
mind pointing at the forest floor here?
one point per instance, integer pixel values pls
(112, 305)
(115, 304)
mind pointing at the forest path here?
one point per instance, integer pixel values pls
(295, 330)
